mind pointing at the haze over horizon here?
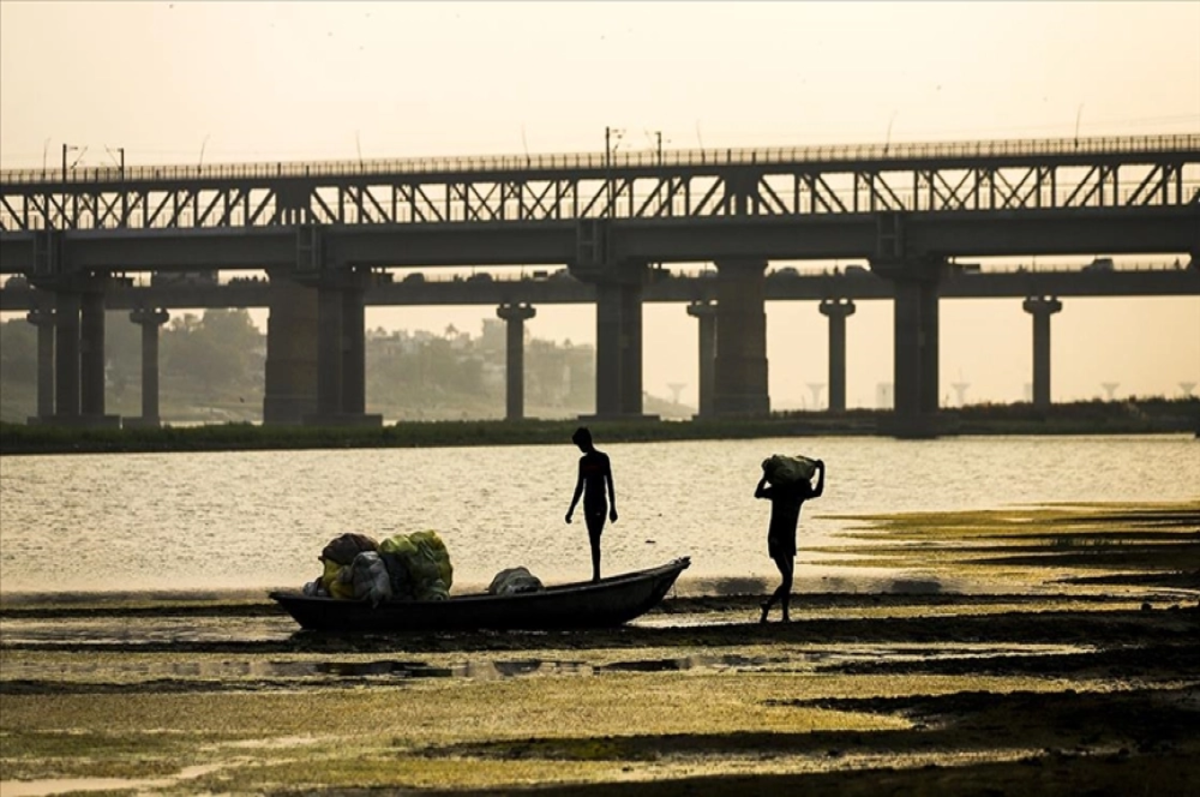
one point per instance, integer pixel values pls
(189, 82)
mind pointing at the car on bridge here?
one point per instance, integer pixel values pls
(1100, 264)
(163, 278)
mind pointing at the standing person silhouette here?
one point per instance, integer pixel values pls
(786, 500)
(595, 475)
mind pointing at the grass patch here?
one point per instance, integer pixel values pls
(1031, 544)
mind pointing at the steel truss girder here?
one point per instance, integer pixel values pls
(645, 193)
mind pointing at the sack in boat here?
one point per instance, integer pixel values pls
(369, 578)
(418, 566)
(343, 549)
(513, 581)
(336, 580)
(781, 469)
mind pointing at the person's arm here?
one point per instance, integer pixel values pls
(820, 488)
(578, 492)
(612, 492)
(762, 490)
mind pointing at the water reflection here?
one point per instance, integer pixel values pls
(808, 660)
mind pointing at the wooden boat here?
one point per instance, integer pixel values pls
(608, 602)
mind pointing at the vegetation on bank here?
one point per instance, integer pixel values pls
(1150, 416)
(212, 369)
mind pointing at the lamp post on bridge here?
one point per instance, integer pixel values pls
(70, 148)
(65, 149)
(610, 149)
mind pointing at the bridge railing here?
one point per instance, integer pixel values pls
(907, 200)
(899, 152)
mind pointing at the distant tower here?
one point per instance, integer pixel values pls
(816, 388)
(676, 388)
(884, 399)
(960, 390)
(1187, 388)
(1029, 392)
(1110, 388)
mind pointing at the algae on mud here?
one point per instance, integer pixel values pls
(1054, 687)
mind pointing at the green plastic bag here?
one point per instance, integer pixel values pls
(418, 565)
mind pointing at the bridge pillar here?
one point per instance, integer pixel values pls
(706, 313)
(916, 356)
(91, 354)
(618, 349)
(608, 349)
(1041, 308)
(79, 352)
(915, 341)
(290, 383)
(515, 316)
(66, 355)
(354, 355)
(149, 320)
(619, 285)
(837, 310)
(740, 381)
(44, 319)
(631, 350)
(341, 365)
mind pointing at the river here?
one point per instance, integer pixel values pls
(255, 520)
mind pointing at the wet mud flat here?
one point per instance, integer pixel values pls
(1086, 681)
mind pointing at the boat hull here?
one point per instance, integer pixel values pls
(609, 602)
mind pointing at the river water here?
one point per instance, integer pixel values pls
(251, 521)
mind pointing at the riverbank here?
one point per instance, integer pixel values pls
(963, 698)
(1078, 675)
(1154, 416)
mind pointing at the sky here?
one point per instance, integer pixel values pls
(184, 82)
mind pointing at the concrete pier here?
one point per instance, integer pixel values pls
(515, 316)
(837, 311)
(91, 354)
(150, 320)
(290, 389)
(619, 285)
(1041, 308)
(608, 349)
(66, 355)
(706, 314)
(631, 350)
(741, 360)
(916, 349)
(44, 319)
(341, 363)
(915, 341)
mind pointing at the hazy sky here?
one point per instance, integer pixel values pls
(177, 81)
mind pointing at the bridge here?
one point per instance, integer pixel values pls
(614, 220)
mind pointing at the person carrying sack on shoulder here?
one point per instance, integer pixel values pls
(789, 489)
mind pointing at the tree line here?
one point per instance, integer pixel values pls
(211, 368)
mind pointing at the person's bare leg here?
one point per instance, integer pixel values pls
(785, 589)
(594, 529)
(596, 558)
(779, 592)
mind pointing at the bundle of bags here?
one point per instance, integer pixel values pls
(403, 567)
(781, 469)
(514, 581)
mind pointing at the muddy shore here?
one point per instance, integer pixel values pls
(1086, 685)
